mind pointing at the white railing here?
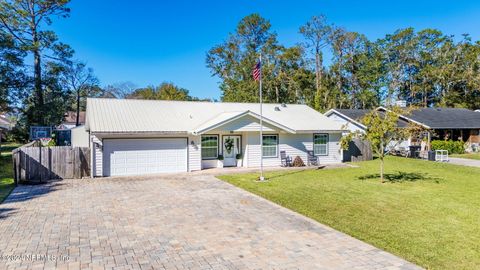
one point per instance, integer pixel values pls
(441, 155)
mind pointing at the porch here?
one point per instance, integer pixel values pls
(224, 149)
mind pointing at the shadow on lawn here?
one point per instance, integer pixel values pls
(280, 175)
(400, 176)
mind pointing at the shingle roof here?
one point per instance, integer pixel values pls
(71, 117)
(128, 115)
(446, 118)
(358, 114)
(355, 114)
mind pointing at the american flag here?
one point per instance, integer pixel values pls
(257, 70)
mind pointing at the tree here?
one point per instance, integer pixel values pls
(165, 91)
(12, 73)
(82, 83)
(317, 34)
(23, 20)
(383, 132)
(118, 90)
(233, 61)
(381, 129)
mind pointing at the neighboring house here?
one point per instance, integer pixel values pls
(131, 137)
(63, 131)
(5, 123)
(70, 120)
(350, 119)
(447, 123)
(441, 123)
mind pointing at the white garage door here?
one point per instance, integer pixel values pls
(144, 156)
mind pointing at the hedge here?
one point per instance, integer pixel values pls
(453, 147)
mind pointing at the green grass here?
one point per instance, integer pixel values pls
(427, 213)
(469, 155)
(6, 170)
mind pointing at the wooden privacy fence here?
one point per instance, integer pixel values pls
(38, 164)
(358, 150)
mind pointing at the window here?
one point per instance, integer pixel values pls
(210, 147)
(270, 145)
(320, 142)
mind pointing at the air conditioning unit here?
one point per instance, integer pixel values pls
(401, 103)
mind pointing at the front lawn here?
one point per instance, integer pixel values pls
(428, 213)
(6, 170)
(469, 155)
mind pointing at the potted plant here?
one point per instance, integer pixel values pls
(239, 160)
(220, 161)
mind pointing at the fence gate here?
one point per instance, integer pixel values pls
(358, 150)
(38, 164)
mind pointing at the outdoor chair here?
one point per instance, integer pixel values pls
(312, 159)
(286, 160)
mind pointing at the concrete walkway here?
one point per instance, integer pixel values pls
(172, 222)
(465, 162)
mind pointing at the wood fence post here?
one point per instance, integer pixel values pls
(15, 177)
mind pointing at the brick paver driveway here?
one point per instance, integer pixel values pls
(169, 222)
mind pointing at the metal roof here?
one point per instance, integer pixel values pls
(151, 116)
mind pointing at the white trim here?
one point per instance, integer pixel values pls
(326, 144)
(404, 117)
(236, 117)
(210, 147)
(276, 146)
(329, 112)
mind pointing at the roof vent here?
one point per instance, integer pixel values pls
(277, 109)
(284, 105)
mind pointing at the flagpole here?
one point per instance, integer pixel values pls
(261, 122)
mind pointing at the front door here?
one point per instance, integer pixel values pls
(231, 147)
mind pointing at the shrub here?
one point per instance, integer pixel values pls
(298, 162)
(453, 147)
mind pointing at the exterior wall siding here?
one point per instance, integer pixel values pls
(80, 137)
(294, 145)
(345, 122)
(244, 124)
(213, 163)
(97, 156)
(335, 154)
(194, 153)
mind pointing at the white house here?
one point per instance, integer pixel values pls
(131, 137)
(350, 119)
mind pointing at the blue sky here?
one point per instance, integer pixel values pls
(147, 41)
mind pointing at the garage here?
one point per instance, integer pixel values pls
(144, 156)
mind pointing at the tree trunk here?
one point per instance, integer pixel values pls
(381, 170)
(77, 120)
(37, 73)
(318, 69)
(277, 94)
(318, 79)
